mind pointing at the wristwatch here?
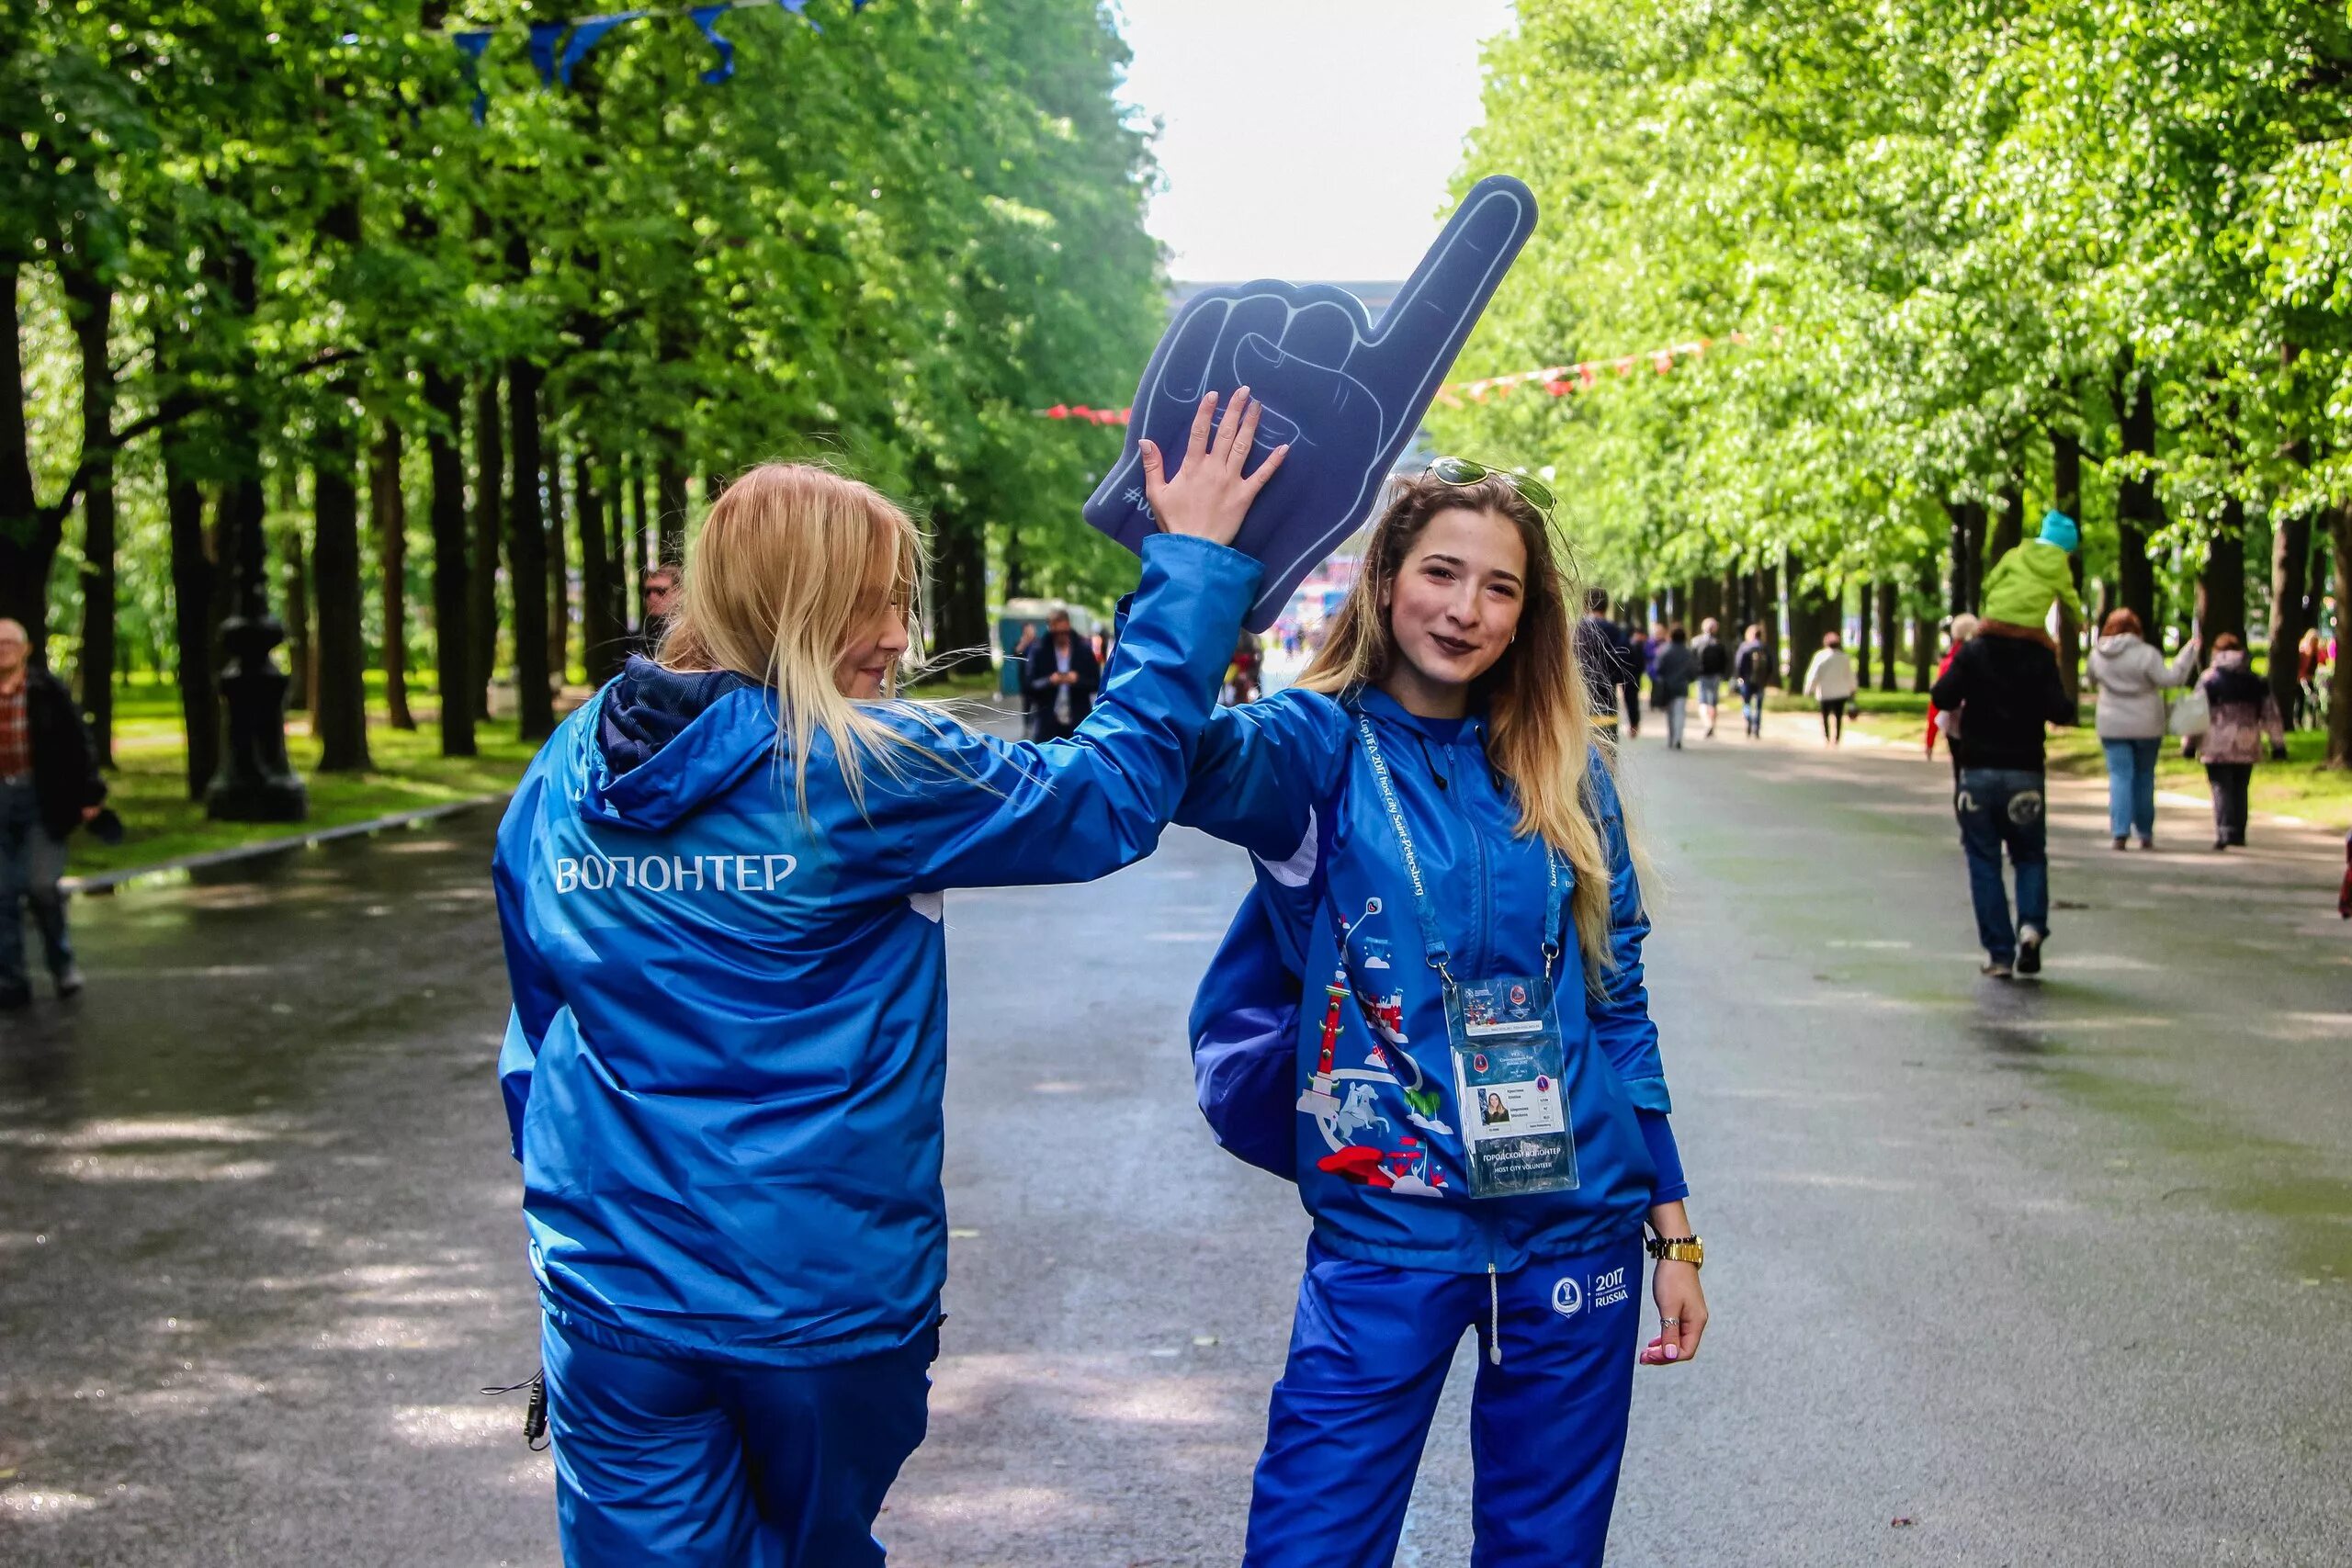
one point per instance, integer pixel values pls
(1678, 1249)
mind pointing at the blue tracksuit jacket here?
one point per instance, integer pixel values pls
(1288, 780)
(725, 1061)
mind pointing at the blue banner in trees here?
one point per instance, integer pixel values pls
(707, 18)
(586, 34)
(1347, 394)
(543, 37)
(469, 47)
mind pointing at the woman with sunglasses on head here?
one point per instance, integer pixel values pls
(719, 888)
(1471, 1104)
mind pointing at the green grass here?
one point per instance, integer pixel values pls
(160, 823)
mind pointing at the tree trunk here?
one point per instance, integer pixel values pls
(1923, 628)
(1864, 625)
(641, 525)
(559, 561)
(339, 702)
(301, 667)
(617, 577)
(959, 583)
(670, 496)
(91, 304)
(526, 558)
(2291, 548)
(453, 637)
(2340, 695)
(387, 509)
(1887, 596)
(2221, 587)
(599, 639)
(1961, 586)
(490, 513)
(2137, 512)
(1768, 613)
(30, 536)
(192, 613)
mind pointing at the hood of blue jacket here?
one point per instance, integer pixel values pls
(668, 743)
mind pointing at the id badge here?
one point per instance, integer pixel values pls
(1507, 1062)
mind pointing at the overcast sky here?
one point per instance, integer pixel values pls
(1306, 138)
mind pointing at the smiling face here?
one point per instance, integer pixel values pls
(877, 638)
(1453, 607)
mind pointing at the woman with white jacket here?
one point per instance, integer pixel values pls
(1829, 681)
(2133, 678)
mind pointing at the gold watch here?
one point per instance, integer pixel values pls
(1678, 1249)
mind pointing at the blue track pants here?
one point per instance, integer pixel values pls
(687, 1463)
(1368, 1356)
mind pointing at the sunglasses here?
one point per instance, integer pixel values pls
(1463, 471)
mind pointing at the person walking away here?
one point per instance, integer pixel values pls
(48, 787)
(1439, 845)
(1678, 667)
(2133, 678)
(1062, 677)
(1606, 656)
(1829, 681)
(731, 1175)
(1963, 627)
(2243, 710)
(2008, 690)
(1751, 667)
(1714, 663)
(2307, 702)
(1030, 632)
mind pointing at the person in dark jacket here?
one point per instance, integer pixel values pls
(2012, 691)
(1612, 669)
(1474, 1105)
(720, 887)
(1752, 668)
(663, 595)
(1714, 663)
(1061, 681)
(1670, 681)
(48, 787)
(2243, 710)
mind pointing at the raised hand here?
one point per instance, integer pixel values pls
(1211, 493)
(1343, 394)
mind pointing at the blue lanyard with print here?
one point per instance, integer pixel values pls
(1433, 944)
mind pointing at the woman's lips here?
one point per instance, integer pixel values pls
(1454, 645)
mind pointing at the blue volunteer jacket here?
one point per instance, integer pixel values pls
(724, 1066)
(1288, 780)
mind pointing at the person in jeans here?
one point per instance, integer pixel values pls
(1677, 667)
(2133, 678)
(1829, 681)
(2011, 689)
(1752, 669)
(48, 787)
(1714, 663)
(2243, 708)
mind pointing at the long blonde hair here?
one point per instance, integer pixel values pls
(1539, 727)
(782, 573)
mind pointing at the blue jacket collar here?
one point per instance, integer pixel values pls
(1387, 710)
(663, 743)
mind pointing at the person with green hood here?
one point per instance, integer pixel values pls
(2024, 583)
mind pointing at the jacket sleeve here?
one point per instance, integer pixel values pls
(2176, 673)
(2057, 706)
(1951, 689)
(974, 811)
(1620, 1008)
(1036, 672)
(1261, 770)
(536, 1001)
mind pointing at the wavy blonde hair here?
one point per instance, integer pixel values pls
(1540, 734)
(786, 566)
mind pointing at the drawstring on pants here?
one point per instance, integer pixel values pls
(1494, 1318)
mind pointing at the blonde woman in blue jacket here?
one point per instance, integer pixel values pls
(1470, 1097)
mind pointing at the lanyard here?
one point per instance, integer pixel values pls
(1433, 946)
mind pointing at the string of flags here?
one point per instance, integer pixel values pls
(1559, 380)
(557, 48)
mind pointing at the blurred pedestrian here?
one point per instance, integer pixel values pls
(1063, 677)
(2307, 698)
(1963, 627)
(1607, 656)
(2133, 678)
(1829, 681)
(1677, 667)
(2008, 689)
(1752, 668)
(1714, 663)
(1638, 642)
(48, 787)
(1020, 657)
(2243, 710)
(661, 597)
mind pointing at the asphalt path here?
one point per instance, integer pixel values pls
(2029, 1273)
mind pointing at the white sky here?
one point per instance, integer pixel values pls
(1305, 139)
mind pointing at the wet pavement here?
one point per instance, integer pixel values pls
(2050, 1274)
